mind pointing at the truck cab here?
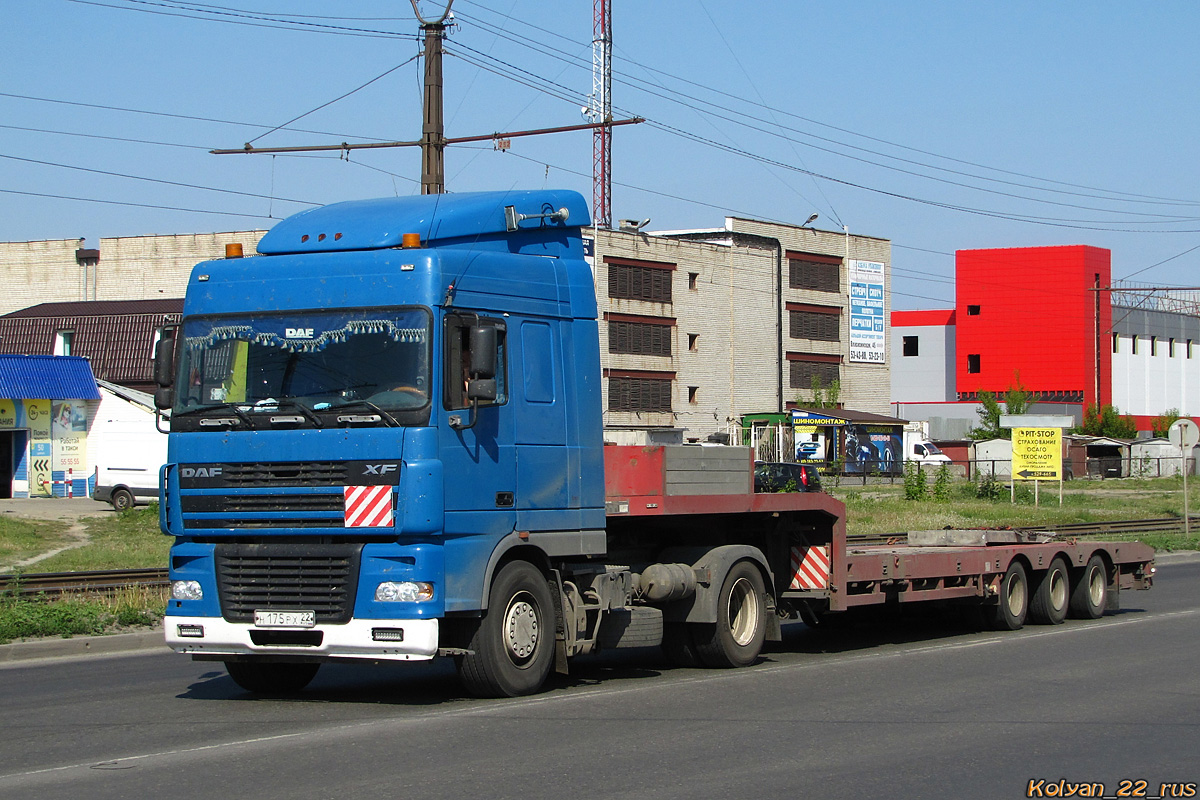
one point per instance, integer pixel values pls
(368, 416)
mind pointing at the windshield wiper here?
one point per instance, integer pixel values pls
(368, 405)
(241, 415)
(303, 409)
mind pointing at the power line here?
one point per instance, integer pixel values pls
(133, 205)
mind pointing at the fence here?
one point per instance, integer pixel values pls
(971, 469)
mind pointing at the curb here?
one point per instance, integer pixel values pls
(76, 646)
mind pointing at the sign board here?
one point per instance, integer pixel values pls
(866, 312)
(1037, 454)
(1184, 434)
(1037, 421)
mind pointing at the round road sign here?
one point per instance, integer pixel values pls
(1184, 434)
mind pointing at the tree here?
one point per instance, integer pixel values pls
(1108, 421)
(1162, 423)
(1017, 400)
(823, 397)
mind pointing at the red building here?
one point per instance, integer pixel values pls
(1034, 315)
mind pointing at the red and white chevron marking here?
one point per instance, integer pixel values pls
(368, 506)
(810, 568)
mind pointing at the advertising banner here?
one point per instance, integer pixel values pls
(37, 417)
(1037, 454)
(69, 432)
(867, 342)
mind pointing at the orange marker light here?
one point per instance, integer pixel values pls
(410, 240)
(233, 250)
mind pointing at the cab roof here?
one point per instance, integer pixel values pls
(381, 224)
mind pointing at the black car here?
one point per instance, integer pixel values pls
(784, 476)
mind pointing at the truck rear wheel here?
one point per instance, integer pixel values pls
(1009, 613)
(513, 645)
(270, 677)
(1089, 591)
(737, 637)
(1049, 603)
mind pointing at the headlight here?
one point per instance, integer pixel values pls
(403, 592)
(186, 590)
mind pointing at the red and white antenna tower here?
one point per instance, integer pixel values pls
(600, 111)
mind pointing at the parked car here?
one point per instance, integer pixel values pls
(785, 476)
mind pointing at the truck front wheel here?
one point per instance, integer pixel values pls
(737, 638)
(513, 645)
(269, 677)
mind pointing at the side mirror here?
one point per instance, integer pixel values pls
(164, 373)
(482, 390)
(164, 362)
(483, 351)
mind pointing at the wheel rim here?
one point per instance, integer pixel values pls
(1096, 587)
(1058, 589)
(743, 612)
(521, 629)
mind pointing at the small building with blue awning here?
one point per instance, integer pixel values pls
(46, 406)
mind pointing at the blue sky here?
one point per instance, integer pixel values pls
(937, 125)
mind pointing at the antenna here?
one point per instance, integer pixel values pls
(601, 112)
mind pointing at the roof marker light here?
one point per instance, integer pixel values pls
(410, 240)
(233, 250)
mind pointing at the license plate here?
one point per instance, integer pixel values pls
(285, 619)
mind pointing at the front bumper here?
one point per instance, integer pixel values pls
(355, 639)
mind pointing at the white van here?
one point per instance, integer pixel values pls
(128, 461)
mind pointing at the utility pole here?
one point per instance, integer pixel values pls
(433, 132)
(433, 139)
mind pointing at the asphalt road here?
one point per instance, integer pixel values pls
(925, 709)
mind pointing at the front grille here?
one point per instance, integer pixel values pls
(311, 577)
(299, 473)
(238, 503)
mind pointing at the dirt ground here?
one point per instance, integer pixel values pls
(55, 508)
(71, 511)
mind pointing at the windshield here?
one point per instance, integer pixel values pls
(375, 361)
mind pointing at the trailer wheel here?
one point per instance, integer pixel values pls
(737, 637)
(1009, 613)
(1048, 606)
(1089, 591)
(122, 500)
(270, 677)
(513, 646)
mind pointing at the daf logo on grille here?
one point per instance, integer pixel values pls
(200, 472)
(379, 469)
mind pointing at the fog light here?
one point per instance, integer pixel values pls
(186, 590)
(190, 631)
(387, 634)
(404, 592)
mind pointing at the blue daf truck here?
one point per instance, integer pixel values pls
(386, 444)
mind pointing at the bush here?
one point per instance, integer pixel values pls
(915, 486)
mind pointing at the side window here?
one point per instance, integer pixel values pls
(461, 366)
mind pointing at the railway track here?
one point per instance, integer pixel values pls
(105, 580)
(109, 580)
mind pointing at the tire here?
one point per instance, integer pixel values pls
(1009, 613)
(677, 645)
(270, 677)
(1089, 591)
(737, 637)
(122, 500)
(513, 644)
(1048, 606)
